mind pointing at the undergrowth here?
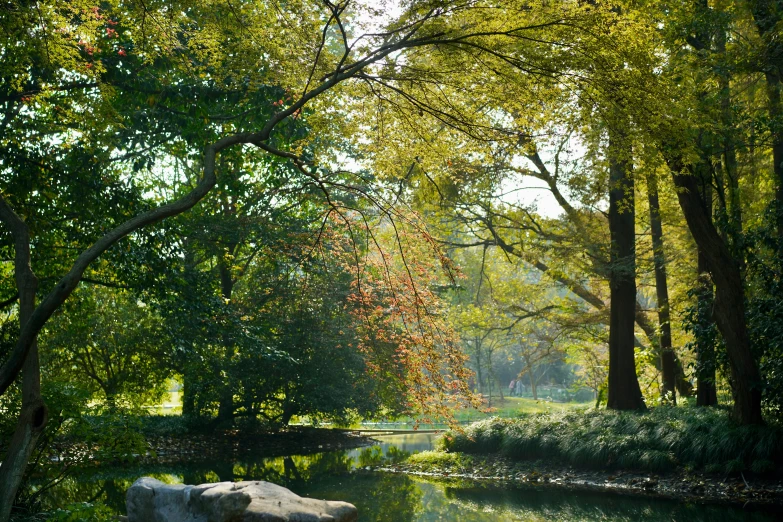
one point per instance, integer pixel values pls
(704, 439)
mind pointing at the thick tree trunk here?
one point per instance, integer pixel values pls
(668, 359)
(289, 410)
(624, 390)
(34, 414)
(188, 396)
(707, 392)
(729, 308)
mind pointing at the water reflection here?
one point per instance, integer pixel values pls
(340, 475)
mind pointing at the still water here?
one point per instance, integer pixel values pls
(340, 475)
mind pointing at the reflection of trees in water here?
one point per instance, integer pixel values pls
(384, 496)
(379, 497)
(110, 492)
(108, 485)
(374, 456)
(297, 469)
(546, 504)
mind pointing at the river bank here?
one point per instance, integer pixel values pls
(676, 485)
(380, 482)
(235, 443)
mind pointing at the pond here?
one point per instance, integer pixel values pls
(379, 496)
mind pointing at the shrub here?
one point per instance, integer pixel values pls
(701, 438)
(83, 512)
(164, 425)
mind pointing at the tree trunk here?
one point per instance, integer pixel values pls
(668, 360)
(479, 376)
(225, 406)
(291, 471)
(533, 388)
(729, 308)
(34, 414)
(683, 386)
(111, 398)
(706, 392)
(624, 390)
(289, 410)
(734, 210)
(188, 396)
(226, 398)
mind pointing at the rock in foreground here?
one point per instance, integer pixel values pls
(151, 500)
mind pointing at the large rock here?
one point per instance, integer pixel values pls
(151, 500)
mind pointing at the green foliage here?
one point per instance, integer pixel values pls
(83, 512)
(436, 460)
(165, 425)
(78, 435)
(110, 342)
(765, 311)
(702, 438)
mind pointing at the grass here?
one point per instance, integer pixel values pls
(438, 460)
(660, 439)
(509, 407)
(515, 406)
(170, 405)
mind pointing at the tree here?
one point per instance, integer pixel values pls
(207, 45)
(693, 168)
(624, 392)
(668, 362)
(113, 340)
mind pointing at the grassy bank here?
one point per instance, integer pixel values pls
(657, 440)
(509, 407)
(516, 406)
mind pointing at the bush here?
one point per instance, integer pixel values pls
(434, 460)
(164, 425)
(83, 512)
(665, 437)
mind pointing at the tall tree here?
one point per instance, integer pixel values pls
(668, 363)
(624, 392)
(729, 307)
(198, 45)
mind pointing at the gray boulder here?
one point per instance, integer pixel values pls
(151, 500)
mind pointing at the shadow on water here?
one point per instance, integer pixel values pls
(340, 475)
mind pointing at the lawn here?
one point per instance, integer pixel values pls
(511, 407)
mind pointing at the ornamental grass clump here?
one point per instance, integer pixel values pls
(657, 440)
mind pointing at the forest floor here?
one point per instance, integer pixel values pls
(676, 484)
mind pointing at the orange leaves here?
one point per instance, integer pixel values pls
(404, 334)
